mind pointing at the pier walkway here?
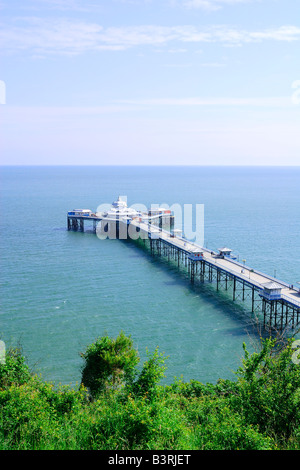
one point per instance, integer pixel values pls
(277, 301)
(247, 274)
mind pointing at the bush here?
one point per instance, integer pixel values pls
(268, 393)
(26, 417)
(14, 370)
(150, 375)
(33, 414)
(113, 422)
(218, 427)
(130, 410)
(108, 364)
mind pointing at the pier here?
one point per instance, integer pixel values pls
(275, 302)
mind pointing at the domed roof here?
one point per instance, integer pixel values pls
(119, 203)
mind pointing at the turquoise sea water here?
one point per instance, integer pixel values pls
(61, 290)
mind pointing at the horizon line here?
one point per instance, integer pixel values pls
(151, 165)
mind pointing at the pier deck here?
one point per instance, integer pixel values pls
(231, 266)
(278, 301)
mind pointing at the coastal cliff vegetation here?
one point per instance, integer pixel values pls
(121, 404)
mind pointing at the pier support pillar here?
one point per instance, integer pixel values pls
(75, 225)
(264, 311)
(151, 246)
(192, 269)
(234, 287)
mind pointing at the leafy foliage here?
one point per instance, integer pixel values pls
(150, 375)
(108, 363)
(268, 391)
(131, 410)
(14, 370)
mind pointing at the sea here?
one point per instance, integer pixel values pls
(61, 290)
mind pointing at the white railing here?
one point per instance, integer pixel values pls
(188, 246)
(290, 300)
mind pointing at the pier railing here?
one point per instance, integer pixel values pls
(219, 266)
(288, 299)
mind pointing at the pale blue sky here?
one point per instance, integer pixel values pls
(199, 82)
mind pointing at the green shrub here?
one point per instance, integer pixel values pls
(152, 372)
(259, 410)
(268, 393)
(109, 363)
(217, 427)
(14, 370)
(111, 422)
(26, 417)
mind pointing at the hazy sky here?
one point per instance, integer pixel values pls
(200, 82)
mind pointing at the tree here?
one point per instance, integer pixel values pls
(150, 375)
(109, 363)
(14, 370)
(269, 389)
